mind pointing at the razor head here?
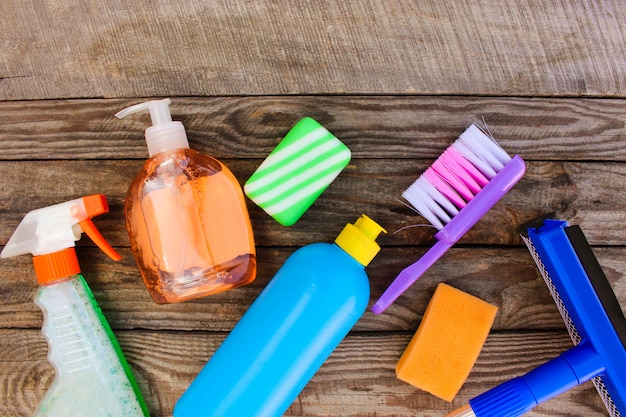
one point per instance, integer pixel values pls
(598, 280)
(535, 223)
(586, 301)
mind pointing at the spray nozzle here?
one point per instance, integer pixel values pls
(164, 134)
(50, 233)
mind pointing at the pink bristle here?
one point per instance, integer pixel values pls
(444, 188)
(457, 176)
(459, 173)
(487, 170)
(453, 179)
(474, 179)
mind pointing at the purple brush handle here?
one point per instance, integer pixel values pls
(409, 275)
(453, 231)
(484, 200)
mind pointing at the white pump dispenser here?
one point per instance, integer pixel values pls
(164, 134)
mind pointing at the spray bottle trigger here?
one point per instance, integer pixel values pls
(94, 234)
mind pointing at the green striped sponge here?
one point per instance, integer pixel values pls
(297, 171)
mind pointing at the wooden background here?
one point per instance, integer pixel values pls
(397, 82)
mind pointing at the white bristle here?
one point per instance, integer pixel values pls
(484, 167)
(446, 187)
(430, 203)
(481, 150)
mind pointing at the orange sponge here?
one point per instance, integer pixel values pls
(447, 343)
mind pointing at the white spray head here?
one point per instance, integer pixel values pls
(164, 134)
(47, 233)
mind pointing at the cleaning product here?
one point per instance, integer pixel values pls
(288, 332)
(453, 194)
(447, 343)
(92, 376)
(186, 216)
(297, 171)
(593, 317)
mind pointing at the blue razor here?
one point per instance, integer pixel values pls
(593, 317)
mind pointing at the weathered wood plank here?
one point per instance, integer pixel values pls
(589, 194)
(120, 49)
(397, 82)
(505, 277)
(357, 380)
(372, 127)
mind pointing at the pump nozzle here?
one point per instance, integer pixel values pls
(164, 134)
(50, 233)
(159, 110)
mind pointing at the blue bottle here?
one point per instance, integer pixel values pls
(288, 332)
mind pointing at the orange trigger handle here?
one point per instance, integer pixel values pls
(95, 205)
(95, 235)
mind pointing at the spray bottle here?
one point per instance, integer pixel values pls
(288, 332)
(92, 375)
(186, 216)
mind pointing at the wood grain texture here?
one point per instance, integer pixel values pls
(490, 263)
(357, 380)
(372, 127)
(371, 186)
(507, 278)
(397, 82)
(54, 49)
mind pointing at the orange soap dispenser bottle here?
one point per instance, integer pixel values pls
(186, 216)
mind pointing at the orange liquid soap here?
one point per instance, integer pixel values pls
(188, 224)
